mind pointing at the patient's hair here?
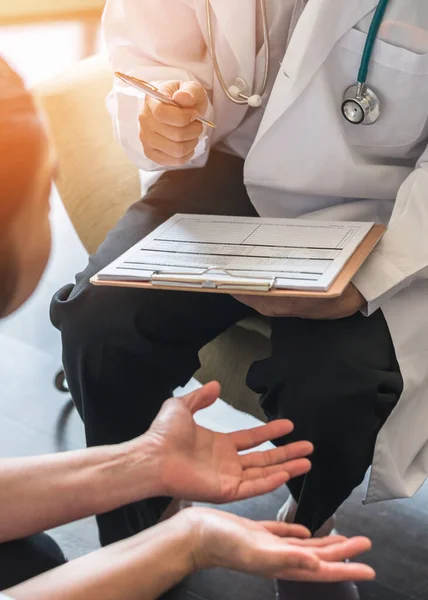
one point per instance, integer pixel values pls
(21, 140)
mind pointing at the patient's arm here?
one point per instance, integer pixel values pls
(144, 567)
(140, 568)
(175, 458)
(42, 492)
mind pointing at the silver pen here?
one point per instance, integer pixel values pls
(153, 92)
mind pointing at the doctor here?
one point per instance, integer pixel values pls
(351, 373)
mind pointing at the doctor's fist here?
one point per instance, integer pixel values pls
(169, 135)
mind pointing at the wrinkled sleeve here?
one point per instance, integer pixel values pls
(402, 255)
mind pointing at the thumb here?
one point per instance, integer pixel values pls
(202, 398)
(191, 95)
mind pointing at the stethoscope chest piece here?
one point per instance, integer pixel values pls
(360, 105)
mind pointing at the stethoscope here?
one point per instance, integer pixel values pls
(360, 106)
(238, 93)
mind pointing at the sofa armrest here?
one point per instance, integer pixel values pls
(96, 180)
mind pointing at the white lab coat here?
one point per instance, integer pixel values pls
(307, 161)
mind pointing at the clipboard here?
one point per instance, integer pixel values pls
(207, 282)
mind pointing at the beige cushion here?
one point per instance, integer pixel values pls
(22, 10)
(227, 360)
(97, 182)
(258, 324)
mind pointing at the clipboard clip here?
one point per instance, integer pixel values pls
(212, 278)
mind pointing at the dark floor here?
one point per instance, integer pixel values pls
(30, 410)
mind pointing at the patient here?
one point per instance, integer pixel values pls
(174, 458)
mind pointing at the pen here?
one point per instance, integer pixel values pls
(153, 92)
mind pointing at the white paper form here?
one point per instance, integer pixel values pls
(292, 253)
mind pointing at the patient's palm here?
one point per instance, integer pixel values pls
(198, 464)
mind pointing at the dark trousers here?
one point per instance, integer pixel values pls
(23, 559)
(126, 350)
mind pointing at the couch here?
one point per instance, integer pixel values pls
(31, 12)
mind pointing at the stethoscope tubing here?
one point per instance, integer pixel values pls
(362, 92)
(371, 39)
(212, 50)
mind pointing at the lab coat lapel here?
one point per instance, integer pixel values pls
(237, 21)
(320, 27)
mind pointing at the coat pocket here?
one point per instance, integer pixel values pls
(399, 77)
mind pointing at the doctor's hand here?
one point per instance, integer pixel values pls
(193, 463)
(169, 135)
(271, 550)
(349, 303)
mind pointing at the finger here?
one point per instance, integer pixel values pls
(320, 542)
(171, 115)
(168, 88)
(164, 160)
(344, 550)
(258, 487)
(301, 560)
(261, 305)
(288, 530)
(247, 300)
(264, 472)
(177, 134)
(203, 397)
(191, 95)
(348, 572)
(174, 149)
(251, 438)
(331, 572)
(292, 469)
(297, 468)
(278, 455)
(243, 298)
(291, 558)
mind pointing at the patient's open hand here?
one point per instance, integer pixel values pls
(201, 465)
(272, 550)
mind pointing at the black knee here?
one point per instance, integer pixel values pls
(85, 313)
(86, 317)
(338, 382)
(23, 559)
(120, 356)
(330, 377)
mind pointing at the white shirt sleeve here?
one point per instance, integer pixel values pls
(143, 40)
(402, 255)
